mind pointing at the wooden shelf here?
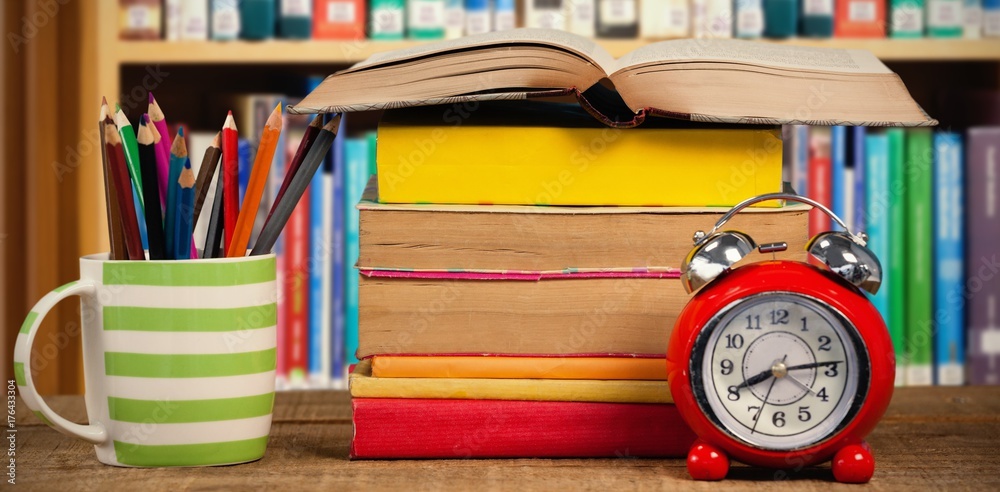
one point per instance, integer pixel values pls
(346, 52)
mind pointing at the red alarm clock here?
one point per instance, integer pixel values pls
(781, 364)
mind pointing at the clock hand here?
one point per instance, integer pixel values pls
(800, 383)
(815, 364)
(752, 380)
(764, 403)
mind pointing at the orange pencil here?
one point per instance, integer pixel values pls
(255, 188)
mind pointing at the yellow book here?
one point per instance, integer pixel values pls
(364, 385)
(555, 154)
(500, 367)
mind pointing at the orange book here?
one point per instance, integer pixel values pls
(501, 367)
(859, 19)
(339, 19)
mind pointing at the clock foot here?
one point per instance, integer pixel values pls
(852, 464)
(707, 462)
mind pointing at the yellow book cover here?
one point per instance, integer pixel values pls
(554, 154)
(500, 367)
(364, 385)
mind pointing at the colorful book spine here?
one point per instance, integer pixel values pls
(719, 18)
(817, 19)
(355, 179)
(991, 18)
(859, 19)
(297, 302)
(295, 21)
(848, 197)
(983, 253)
(504, 15)
(425, 19)
(906, 18)
(454, 19)
(318, 319)
(617, 19)
(423, 428)
(477, 17)
(972, 19)
(945, 18)
(338, 369)
(919, 257)
(896, 258)
(749, 18)
(257, 19)
(245, 150)
(877, 214)
(172, 20)
(388, 19)
(139, 19)
(820, 177)
(500, 367)
(858, 159)
(800, 151)
(545, 14)
(194, 20)
(339, 19)
(665, 19)
(781, 18)
(581, 17)
(225, 20)
(838, 168)
(949, 271)
(324, 378)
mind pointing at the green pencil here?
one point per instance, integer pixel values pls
(131, 149)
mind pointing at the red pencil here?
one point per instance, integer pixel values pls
(123, 187)
(230, 178)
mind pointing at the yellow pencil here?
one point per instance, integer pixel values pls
(255, 188)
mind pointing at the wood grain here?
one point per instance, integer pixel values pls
(931, 438)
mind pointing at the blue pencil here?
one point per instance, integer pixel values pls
(184, 213)
(178, 155)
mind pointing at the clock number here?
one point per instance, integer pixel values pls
(734, 341)
(822, 395)
(778, 419)
(753, 322)
(804, 415)
(804, 327)
(824, 343)
(754, 410)
(734, 393)
(727, 367)
(831, 370)
(779, 317)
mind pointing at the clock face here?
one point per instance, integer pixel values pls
(779, 371)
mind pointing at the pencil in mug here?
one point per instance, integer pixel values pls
(150, 189)
(213, 240)
(307, 141)
(205, 174)
(162, 147)
(116, 235)
(123, 190)
(231, 175)
(269, 234)
(255, 188)
(178, 156)
(131, 150)
(184, 212)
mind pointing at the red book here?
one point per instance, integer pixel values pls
(296, 282)
(339, 19)
(859, 19)
(389, 428)
(819, 178)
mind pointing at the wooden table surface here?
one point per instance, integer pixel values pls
(931, 438)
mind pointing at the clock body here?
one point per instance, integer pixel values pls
(780, 364)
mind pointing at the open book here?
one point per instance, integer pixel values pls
(712, 80)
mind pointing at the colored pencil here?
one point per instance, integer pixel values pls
(213, 240)
(115, 233)
(269, 234)
(131, 150)
(178, 155)
(150, 190)
(304, 145)
(123, 189)
(255, 188)
(231, 173)
(162, 147)
(184, 212)
(208, 164)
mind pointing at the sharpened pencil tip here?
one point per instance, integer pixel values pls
(104, 101)
(151, 98)
(180, 131)
(333, 124)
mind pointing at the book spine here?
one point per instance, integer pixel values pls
(848, 198)
(877, 213)
(838, 162)
(339, 19)
(858, 158)
(477, 17)
(617, 19)
(337, 352)
(906, 18)
(719, 18)
(245, 151)
(504, 15)
(257, 19)
(820, 176)
(982, 183)
(172, 20)
(945, 18)
(194, 20)
(781, 18)
(859, 19)
(665, 19)
(225, 20)
(919, 257)
(800, 165)
(544, 14)
(991, 18)
(972, 19)
(139, 19)
(749, 18)
(317, 301)
(297, 302)
(817, 19)
(454, 19)
(356, 165)
(896, 257)
(425, 19)
(421, 428)
(949, 272)
(323, 378)
(295, 21)
(581, 17)
(388, 19)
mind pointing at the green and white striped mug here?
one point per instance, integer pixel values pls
(178, 357)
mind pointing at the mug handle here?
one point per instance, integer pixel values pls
(92, 433)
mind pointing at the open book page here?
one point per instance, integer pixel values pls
(580, 45)
(755, 53)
